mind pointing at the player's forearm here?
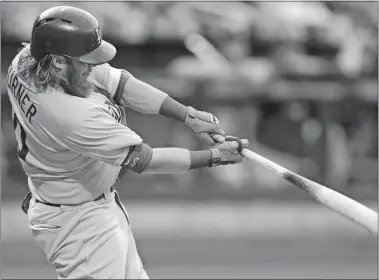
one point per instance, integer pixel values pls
(143, 159)
(177, 160)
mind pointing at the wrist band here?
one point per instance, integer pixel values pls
(173, 109)
(216, 157)
(200, 159)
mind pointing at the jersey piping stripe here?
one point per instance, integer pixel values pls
(121, 85)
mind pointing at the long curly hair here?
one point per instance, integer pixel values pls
(46, 72)
(43, 72)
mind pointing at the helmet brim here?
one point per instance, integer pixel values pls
(103, 54)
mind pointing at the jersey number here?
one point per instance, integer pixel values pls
(24, 149)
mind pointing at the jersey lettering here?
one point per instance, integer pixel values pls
(20, 93)
(24, 149)
(115, 111)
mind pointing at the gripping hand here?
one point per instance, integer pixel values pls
(229, 152)
(205, 125)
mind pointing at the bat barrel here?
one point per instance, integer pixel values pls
(345, 206)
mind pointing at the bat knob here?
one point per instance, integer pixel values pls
(233, 138)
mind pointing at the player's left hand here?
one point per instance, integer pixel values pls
(205, 125)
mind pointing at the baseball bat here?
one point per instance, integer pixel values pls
(339, 203)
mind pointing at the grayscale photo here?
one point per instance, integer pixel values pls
(189, 140)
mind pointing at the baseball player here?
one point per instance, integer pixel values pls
(73, 140)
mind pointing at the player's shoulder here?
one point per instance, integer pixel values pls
(109, 77)
(103, 72)
(66, 111)
(100, 72)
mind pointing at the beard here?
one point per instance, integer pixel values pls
(80, 85)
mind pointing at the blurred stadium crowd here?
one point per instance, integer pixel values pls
(303, 38)
(303, 88)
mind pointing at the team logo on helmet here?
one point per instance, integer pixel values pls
(98, 35)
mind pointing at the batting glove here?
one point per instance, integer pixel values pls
(229, 152)
(205, 125)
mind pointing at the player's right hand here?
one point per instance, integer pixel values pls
(229, 152)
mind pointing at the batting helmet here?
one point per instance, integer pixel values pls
(70, 32)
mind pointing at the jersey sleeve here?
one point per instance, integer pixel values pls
(102, 137)
(112, 79)
(129, 91)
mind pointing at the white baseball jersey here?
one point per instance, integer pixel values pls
(71, 148)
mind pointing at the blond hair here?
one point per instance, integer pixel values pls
(42, 72)
(46, 72)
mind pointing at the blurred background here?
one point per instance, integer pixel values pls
(298, 79)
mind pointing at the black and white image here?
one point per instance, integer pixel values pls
(189, 140)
